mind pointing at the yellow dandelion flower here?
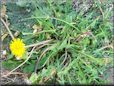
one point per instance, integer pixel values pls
(17, 48)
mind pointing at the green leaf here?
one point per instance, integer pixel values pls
(10, 64)
(28, 68)
(33, 78)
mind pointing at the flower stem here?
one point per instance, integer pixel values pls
(36, 44)
(10, 33)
